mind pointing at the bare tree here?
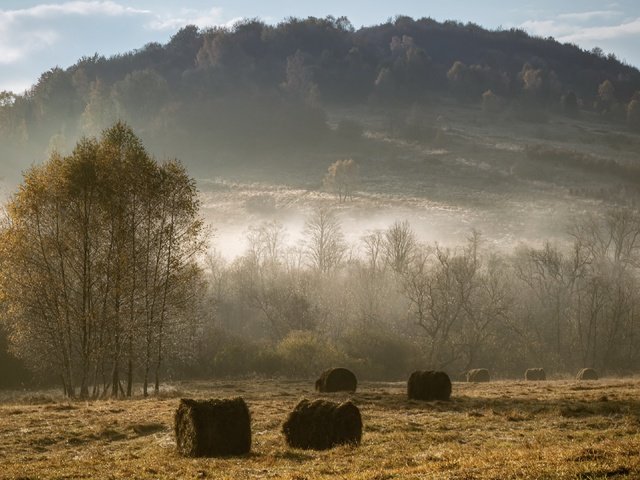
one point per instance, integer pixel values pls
(267, 242)
(279, 294)
(399, 245)
(374, 250)
(454, 300)
(605, 294)
(324, 241)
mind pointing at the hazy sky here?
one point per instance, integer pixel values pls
(38, 35)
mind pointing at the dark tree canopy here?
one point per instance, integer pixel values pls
(270, 83)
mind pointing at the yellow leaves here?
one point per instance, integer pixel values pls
(83, 229)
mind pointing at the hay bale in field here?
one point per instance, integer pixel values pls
(212, 428)
(337, 380)
(535, 374)
(429, 385)
(320, 425)
(587, 374)
(478, 375)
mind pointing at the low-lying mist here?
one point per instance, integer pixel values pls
(233, 209)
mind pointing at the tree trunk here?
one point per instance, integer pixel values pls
(130, 371)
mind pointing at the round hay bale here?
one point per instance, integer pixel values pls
(320, 425)
(212, 428)
(535, 374)
(478, 375)
(429, 385)
(587, 374)
(337, 380)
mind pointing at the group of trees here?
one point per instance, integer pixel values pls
(269, 82)
(102, 285)
(98, 265)
(391, 303)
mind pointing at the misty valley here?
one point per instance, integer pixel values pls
(436, 223)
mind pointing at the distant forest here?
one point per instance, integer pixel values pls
(256, 86)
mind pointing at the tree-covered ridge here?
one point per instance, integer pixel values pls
(266, 81)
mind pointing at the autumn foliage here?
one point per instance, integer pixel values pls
(97, 258)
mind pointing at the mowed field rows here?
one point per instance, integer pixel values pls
(498, 430)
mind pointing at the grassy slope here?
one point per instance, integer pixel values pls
(475, 175)
(555, 429)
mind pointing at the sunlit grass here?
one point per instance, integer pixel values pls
(499, 430)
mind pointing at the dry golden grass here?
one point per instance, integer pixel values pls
(499, 430)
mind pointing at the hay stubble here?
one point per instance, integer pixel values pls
(559, 429)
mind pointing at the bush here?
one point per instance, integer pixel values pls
(380, 353)
(236, 356)
(13, 372)
(304, 354)
(267, 360)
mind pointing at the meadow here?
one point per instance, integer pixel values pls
(499, 430)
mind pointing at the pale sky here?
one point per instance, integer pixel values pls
(38, 35)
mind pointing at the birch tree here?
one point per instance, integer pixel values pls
(97, 251)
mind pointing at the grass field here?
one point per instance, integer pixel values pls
(499, 430)
(477, 176)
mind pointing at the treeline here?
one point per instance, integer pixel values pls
(257, 85)
(390, 304)
(383, 306)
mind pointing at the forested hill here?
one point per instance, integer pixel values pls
(262, 86)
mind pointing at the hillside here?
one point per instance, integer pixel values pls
(491, 127)
(258, 86)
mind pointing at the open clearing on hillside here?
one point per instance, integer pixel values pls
(556, 429)
(478, 176)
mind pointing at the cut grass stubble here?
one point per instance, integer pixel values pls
(556, 429)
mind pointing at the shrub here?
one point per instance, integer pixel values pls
(236, 356)
(380, 353)
(303, 353)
